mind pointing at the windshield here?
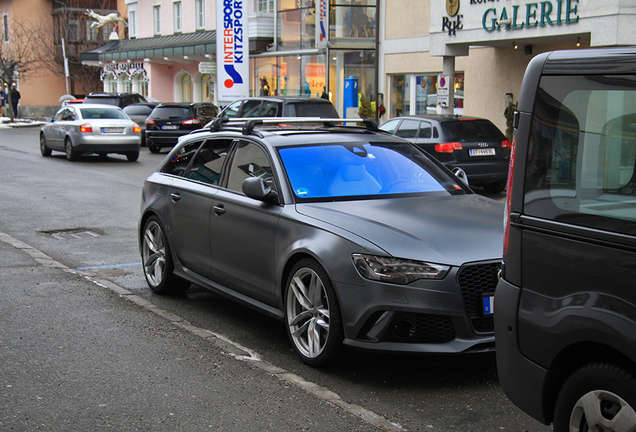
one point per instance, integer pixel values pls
(329, 172)
(102, 113)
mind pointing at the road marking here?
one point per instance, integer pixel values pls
(226, 345)
(108, 266)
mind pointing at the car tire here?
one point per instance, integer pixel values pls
(157, 260)
(312, 314)
(153, 147)
(495, 187)
(71, 154)
(132, 156)
(597, 397)
(43, 147)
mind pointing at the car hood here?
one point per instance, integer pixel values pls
(440, 229)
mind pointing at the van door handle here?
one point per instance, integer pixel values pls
(175, 196)
(219, 209)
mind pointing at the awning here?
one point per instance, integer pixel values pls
(171, 46)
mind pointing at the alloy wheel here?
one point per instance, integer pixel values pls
(154, 254)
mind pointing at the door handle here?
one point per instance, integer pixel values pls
(219, 209)
(175, 197)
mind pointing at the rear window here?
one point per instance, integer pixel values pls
(309, 109)
(581, 165)
(471, 130)
(102, 100)
(102, 113)
(138, 110)
(167, 112)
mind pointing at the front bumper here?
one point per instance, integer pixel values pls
(426, 316)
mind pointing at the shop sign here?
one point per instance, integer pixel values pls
(232, 49)
(123, 67)
(541, 14)
(207, 67)
(513, 17)
(322, 23)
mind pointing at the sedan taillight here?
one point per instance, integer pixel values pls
(194, 121)
(86, 127)
(448, 147)
(136, 128)
(506, 144)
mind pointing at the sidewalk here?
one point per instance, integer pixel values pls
(77, 356)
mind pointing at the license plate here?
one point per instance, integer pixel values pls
(169, 127)
(112, 130)
(482, 152)
(489, 305)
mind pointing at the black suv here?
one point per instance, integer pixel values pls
(473, 144)
(118, 99)
(565, 315)
(280, 106)
(168, 121)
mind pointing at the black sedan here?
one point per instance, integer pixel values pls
(473, 144)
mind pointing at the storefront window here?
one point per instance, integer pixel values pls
(422, 90)
(302, 75)
(127, 84)
(351, 76)
(352, 19)
(186, 88)
(207, 88)
(297, 24)
(141, 85)
(400, 95)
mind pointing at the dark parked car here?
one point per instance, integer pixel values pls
(566, 302)
(118, 99)
(280, 106)
(349, 235)
(169, 121)
(473, 144)
(139, 112)
(84, 128)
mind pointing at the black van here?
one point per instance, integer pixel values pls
(565, 306)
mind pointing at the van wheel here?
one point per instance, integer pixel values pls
(597, 397)
(495, 187)
(312, 314)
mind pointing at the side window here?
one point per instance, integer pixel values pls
(408, 129)
(208, 163)
(249, 161)
(251, 108)
(232, 110)
(425, 130)
(269, 109)
(582, 152)
(179, 162)
(68, 115)
(59, 115)
(390, 126)
(206, 111)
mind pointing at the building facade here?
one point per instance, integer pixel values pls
(485, 46)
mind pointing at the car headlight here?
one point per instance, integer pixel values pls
(397, 271)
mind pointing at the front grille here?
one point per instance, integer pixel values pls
(475, 280)
(430, 329)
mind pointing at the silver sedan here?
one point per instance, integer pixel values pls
(91, 128)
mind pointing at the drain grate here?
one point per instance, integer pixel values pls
(73, 234)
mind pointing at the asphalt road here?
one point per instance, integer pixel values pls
(85, 345)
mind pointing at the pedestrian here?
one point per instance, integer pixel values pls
(264, 87)
(3, 100)
(15, 98)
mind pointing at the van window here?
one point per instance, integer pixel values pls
(582, 152)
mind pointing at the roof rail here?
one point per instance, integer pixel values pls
(248, 124)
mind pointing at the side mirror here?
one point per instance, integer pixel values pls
(461, 174)
(255, 187)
